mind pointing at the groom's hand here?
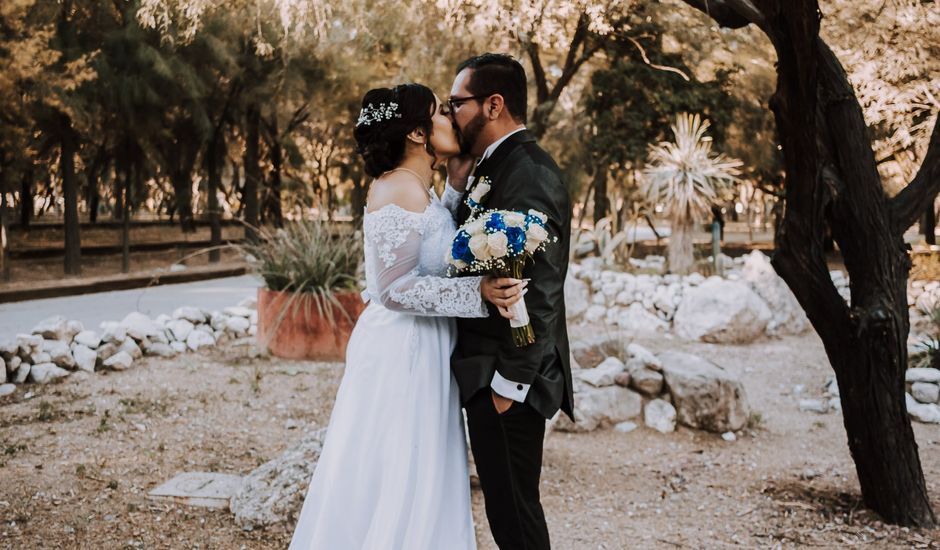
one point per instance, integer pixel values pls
(501, 403)
(503, 292)
(458, 171)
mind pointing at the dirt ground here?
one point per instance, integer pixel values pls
(78, 458)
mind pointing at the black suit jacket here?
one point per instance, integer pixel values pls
(523, 176)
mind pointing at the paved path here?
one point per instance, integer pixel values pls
(92, 309)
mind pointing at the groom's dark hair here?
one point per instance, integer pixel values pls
(498, 73)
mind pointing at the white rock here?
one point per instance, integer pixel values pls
(926, 413)
(238, 325)
(199, 338)
(638, 320)
(119, 361)
(9, 348)
(644, 357)
(179, 347)
(274, 492)
(237, 311)
(577, 296)
(38, 357)
(188, 313)
(85, 357)
(13, 363)
(160, 349)
(705, 395)
(113, 333)
(251, 302)
(22, 373)
(73, 327)
(130, 347)
(818, 406)
(603, 374)
(925, 392)
(162, 320)
(729, 436)
(7, 389)
(787, 317)
(3, 371)
(646, 381)
(625, 427)
(105, 351)
(46, 372)
(29, 343)
(595, 313)
(922, 375)
(59, 353)
(660, 415)
(832, 388)
(52, 328)
(598, 407)
(720, 311)
(139, 326)
(180, 328)
(88, 338)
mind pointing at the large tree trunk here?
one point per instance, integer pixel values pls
(601, 200)
(26, 198)
(832, 182)
(929, 225)
(252, 171)
(73, 243)
(214, 157)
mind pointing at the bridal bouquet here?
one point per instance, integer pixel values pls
(499, 242)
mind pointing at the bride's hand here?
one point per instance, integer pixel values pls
(503, 292)
(458, 170)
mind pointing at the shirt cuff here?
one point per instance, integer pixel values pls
(509, 389)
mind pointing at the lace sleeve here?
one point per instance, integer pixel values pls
(393, 235)
(451, 198)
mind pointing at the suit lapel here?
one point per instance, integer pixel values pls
(491, 166)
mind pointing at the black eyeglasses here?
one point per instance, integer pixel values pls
(455, 102)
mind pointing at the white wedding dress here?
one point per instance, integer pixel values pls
(393, 471)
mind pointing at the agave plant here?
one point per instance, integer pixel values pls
(928, 350)
(308, 259)
(687, 179)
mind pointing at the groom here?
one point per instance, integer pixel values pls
(510, 391)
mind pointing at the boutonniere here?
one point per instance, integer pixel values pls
(476, 195)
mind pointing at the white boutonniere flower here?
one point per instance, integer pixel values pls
(477, 194)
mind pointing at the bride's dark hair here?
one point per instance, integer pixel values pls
(382, 129)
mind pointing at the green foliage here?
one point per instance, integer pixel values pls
(928, 351)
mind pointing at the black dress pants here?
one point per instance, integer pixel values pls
(507, 450)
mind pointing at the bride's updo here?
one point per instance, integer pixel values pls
(388, 115)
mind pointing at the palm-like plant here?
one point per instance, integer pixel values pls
(687, 179)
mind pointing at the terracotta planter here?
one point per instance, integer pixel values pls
(301, 332)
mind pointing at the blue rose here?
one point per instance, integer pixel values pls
(530, 219)
(461, 247)
(516, 240)
(495, 223)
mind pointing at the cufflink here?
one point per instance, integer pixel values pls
(519, 387)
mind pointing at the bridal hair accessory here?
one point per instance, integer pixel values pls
(377, 113)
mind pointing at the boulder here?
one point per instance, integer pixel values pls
(660, 415)
(198, 339)
(131, 348)
(274, 492)
(9, 348)
(238, 325)
(598, 407)
(85, 357)
(636, 319)
(589, 352)
(22, 373)
(721, 311)
(925, 392)
(922, 412)
(113, 333)
(188, 313)
(29, 343)
(178, 347)
(929, 375)
(642, 358)
(577, 296)
(139, 326)
(119, 361)
(59, 353)
(238, 311)
(46, 372)
(603, 374)
(646, 381)
(105, 351)
(88, 338)
(180, 328)
(160, 349)
(7, 389)
(53, 328)
(787, 317)
(705, 395)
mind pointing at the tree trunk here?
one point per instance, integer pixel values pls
(183, 192)
(214, 156)
(73, 243)
(929, 225)
(273, 192)
(832, 182)
(26, 198)
(601, 200)
(252, 172)
(126, 218)
(681, 252)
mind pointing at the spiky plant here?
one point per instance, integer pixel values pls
(687, 179)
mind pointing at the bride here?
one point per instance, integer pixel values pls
(393, 471)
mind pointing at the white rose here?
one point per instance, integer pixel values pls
(538, 215)
(478, 245)
(479, 191)
(514, 219)
(499, 244)
(476, 226)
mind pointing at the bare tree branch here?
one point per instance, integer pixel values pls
(733, 14)
(910, 203)
(654, 65)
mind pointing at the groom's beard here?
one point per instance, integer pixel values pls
(469, 136)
